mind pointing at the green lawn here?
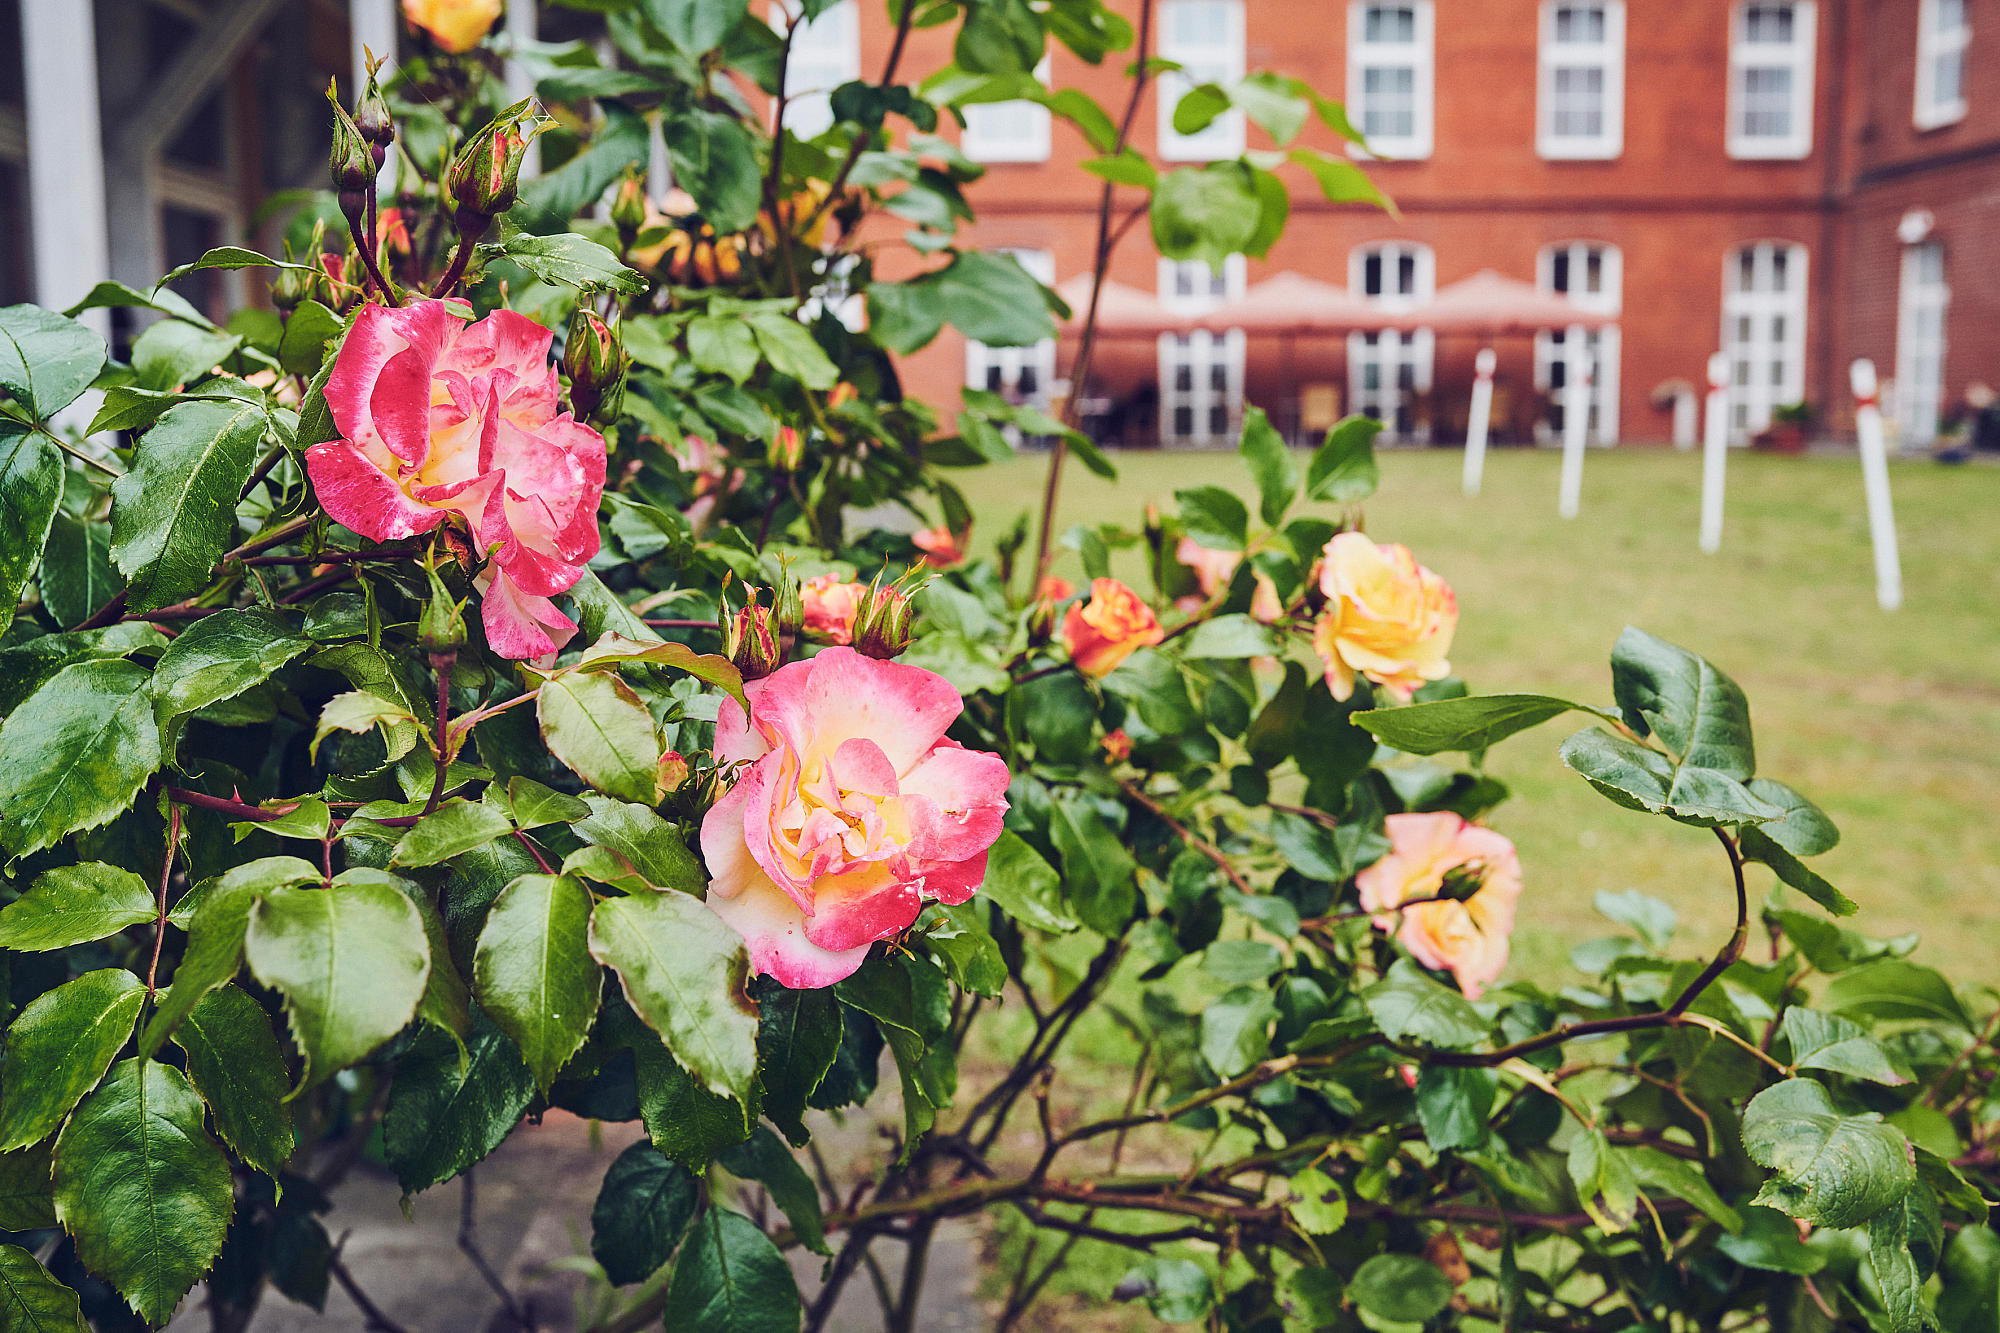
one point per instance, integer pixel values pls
(1891, 721)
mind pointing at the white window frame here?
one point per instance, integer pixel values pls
(1602, 346)
(1389, 352)
(1934, 44)
(831, 46)
(1205, 63)
(1753, 355)
(1202, 353)
(1040, 357)
(1922, 304)
(1800, 56)
(1017, 130)
(1418, 55)
(1607, 57)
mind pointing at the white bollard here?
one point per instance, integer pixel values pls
(1478, 419)
(1715, 452)
(1875, 479)
(1576, 423)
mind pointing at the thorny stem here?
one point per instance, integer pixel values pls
(166, 873)
(441, 663)
(1188, 836)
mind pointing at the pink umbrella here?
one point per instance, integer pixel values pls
(1120, 310)
(1291, 302)
(1493, 304)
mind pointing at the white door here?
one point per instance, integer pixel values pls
(1920, 309)
(1764, 331)
(1386, 371)
(1592, 276)
(1201, 373)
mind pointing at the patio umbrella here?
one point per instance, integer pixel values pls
(1494, 305)
(1290, 302)
(1120, 310)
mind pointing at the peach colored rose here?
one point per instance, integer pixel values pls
(442, 418)
(1387, 618)
(1212, 572)
(830, 606)
(455, 25)
(853, 811)
(1117, 745)
(1108, 628)
(1054, 588)
(942, 547)
(1467, 938)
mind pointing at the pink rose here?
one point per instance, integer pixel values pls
(440, 417)
(853, 811)
(942, 547)
(830, 604)
(1387, 618)
(1466, 937)
(1212, 572)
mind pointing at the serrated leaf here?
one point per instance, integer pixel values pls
(1235, 1029)
(1681, 1178)
(1403, 1287)
(1897, 988)
(1700, 715)
(764, 1158)
(798, 1036)
(1639, 778)
(46, 361)
(1823, 1041)
(1343, 469)
(642, 1211)
(1407, 1005)
(31, 487)
(1757, 846)
(683, 972)
(172, 514)
(651, 845)
(1269, 459)
(1233, 637)
(1834, 1169)
(142, 1187)
(234, 1062)
(455, 827)
(445, 1115)
(1604, 1182)
(59, 1046)
(1215, 518)
(715, 160)
(351, 961)
(569, 260)
(360, 711)
(614, 649)
(594, 723)
(730, 1278)
(1098, 872)
(220, 656)
(214, 950)
(1025, 886)
(1454, 1105)
(1452, 725)
(31, 1300)
(531, 805)
(77, 576)
(75, 904)
(792, 350)
(1805, 830)
(75, 754)
(533, 971)
(27, 1198)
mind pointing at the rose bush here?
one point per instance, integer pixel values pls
(1163, 927)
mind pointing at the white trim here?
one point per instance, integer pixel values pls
(1922, 301)
(1389, 357)
(1604, 57)
(1937, 44)
(1417, 56)
(1203, 60)
(1013, 131)
(1764, 59)
(1764, 331)
(1601, 346)
(826, 52)
(1214, 410)
(65, 153)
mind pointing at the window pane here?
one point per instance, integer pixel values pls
(1579, 102)
(1779, 259)
(1218, 420)
(1580, 23)
(1767, 23)
(1184, 421)
(1950, 15)
(1559, 271)
(1767, 101)
(1593, 270)
(1371, 274)
(1948, 78)
(1406, 274)
(1390, 23)
(1389, 101)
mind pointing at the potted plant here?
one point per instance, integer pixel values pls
(1787, 432)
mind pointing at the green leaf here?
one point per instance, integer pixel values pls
(642, 1211)
(651, 845)
(1700, 715)
(531, 805)
(1318, 1203)
(533, 971)
(1409, 1006)
(308, 331)
(792, 350)
(351, 961)
(1969, 1297)
(1897, 1277)
(1639, 778)
(730, 1278)
(172, 514)
(1340, 181)
(798, 1035)
(1833, 1170)
(1274, 103)
(684, 1120)
(1805, 830)
(75, 754)
(1454, 1104)
(1770, 1242)
(1206, 213)
(1128, 167)
(234, 1062)
(1605, 1185)
(905, 316)
(452, 829)
(696, 26)
(1895, 988)
(59, 1046)
(172, 353)
(683, 972)
(229, 256)
(31, 1301)
(1215, 518)
(1024, 886)
(959, 939)
(1236, 1029)
(1178, 1291)
(1056, 711)
(46, 361)
(1822, 1041)
(715, 160)
(764, 1158)
(1756, 846)
(1403, 1287)
(1198, 108)
(31, 487)
(616, 649)
(361, 711)
(220, 656)
(1098, 872)
(910, 1000)
(142, 1187)
(75, 904)
(1270, 462)
(1233, 637)
(77, 576)
(991, 298)
(569, 260)
(722, 346)
(1469, 725)
(445, 1114)
(1683, 1179)
(27, 1198)
(1343, 469)
(216, 927)
(594, 723)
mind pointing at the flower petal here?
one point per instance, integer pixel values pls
(518, 624)
(360, 496)
(774, 934)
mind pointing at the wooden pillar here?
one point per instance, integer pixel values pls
(65, 152)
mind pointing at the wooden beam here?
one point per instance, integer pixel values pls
(188, 81)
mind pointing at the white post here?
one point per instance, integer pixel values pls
(1576, 422)
(520, 79)
(1478, 419)
(65, 154)
(1875, 478)
(1715, 452)
(1684, 431)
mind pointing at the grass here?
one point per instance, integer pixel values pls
(1891, 721)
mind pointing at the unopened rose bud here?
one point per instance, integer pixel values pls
(842, 394)
(484, 178)
(751, 640)
(441, 624)
(884, 621)
(372, 118)
(628, 207)
(350, 163)
(594, 360)
(788, 607)
(786, 450)
(672, 773)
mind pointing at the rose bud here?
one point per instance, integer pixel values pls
(840, 395)
(672, 774)
(1109, 628)
(883, 621)
(942, 547)
(372, 118)
(441, 624)
(750, 639)
(628, 207)
(351, 163)
(594, 360)
(1117, 746)
(485, 176)
(786, 450)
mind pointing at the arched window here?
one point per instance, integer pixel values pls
(1764, 330)
(1201, 373)
(1591, 274)
(1389, 373)
(1920, 308)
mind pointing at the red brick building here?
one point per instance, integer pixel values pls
(1796, 184)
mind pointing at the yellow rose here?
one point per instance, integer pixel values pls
(455, 25)
(1387, 618)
